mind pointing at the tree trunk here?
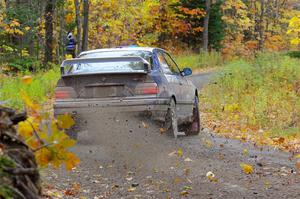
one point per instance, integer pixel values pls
(85, 25)
(49, 12)
(78, 24)
(261, 25)
(205, 26)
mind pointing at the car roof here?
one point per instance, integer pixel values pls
(149, 49)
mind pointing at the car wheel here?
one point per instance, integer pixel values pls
(193, 128)
(171, 119)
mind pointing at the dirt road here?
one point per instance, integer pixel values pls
(124, 156)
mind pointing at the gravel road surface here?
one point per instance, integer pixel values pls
(125, 156)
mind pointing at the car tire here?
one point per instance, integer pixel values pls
(171, 125)
(193, 128)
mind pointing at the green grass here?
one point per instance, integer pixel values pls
(202, 60)
(261, 94)
(40, 90)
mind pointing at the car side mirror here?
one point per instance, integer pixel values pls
(187, 72)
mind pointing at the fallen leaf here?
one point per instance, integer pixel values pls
(248, 169)
(297, 156)
(26, 79)
(172, 153)
(184, 193)
(145, 125)
(131, 189)
(162, 130)
(129, 179)
(211, 176)
(74, 190)
(180, 152)
(188, 188)
(245, 152)
(188, 160)
(267, 184)
(298, 165)
(187, 171)
(207, 143)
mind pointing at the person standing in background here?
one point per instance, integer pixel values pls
(71, 45)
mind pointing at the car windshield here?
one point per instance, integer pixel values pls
(89, 66)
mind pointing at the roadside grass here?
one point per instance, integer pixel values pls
(40, 90)
(203, 60)
(258, 100)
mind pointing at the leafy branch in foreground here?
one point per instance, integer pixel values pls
(45, 135)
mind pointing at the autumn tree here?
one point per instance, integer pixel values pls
(205, 25)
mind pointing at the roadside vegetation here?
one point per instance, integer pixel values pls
(256, 100)
(200, 61)
(40, 90)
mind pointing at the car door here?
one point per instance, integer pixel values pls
(187, 91)
(175, 82)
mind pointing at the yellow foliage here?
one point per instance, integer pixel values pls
(46, 137)
(65, 121)
(69, 18)
(25, 129)
(294, 30)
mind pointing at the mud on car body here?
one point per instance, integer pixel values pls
(129, 80)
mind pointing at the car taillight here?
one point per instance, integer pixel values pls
(64, 93)
(147, 89)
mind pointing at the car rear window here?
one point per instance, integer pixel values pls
(147, 55)
(107, 67)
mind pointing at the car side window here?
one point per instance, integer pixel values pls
(163, 63)
(172, 65)
(167, 64)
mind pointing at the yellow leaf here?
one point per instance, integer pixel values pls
(248, 169)
(71, 161)
(65, 121)
(27, 80)
(245, 152)
(27, 28)
(297, 156)
(25, 129)
(180, 152)
(27, 101)
(43, 157)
